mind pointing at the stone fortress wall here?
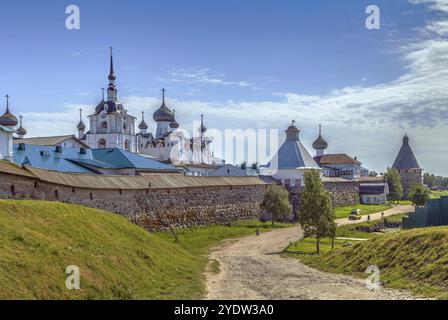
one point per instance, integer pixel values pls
(157, 201)
(153, 208)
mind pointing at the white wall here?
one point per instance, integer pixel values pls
(6, 145)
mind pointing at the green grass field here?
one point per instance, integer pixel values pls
(117, 259)
(344, 212)
(308, 245)
(438, 193)
(415, 260)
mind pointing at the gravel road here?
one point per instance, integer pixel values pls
(252, 268)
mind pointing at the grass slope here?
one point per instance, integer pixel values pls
(117, 259)
(415, 260)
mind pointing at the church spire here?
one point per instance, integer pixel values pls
(111, 71)
(111, 90)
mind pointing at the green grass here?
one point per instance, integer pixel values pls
(344, 212)
(438, 193)
(308, 245)
(402, 202)
(117, 259)
(415, 260)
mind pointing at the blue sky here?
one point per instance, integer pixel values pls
(244, 64)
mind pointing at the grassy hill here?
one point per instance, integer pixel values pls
(416, 260)
(117, 259)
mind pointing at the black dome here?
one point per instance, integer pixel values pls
(164, 114)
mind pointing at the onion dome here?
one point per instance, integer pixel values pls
(163, 113)
(8, 119)
(21, 131)
(81, 126)
(143, 125)
(320, 143)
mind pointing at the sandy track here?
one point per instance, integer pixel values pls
(252, 268)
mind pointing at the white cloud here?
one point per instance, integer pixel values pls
(203, 76)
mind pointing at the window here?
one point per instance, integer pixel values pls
(101, 144)
(103, 128)
(127, 145)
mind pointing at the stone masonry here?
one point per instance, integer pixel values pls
(154, 209)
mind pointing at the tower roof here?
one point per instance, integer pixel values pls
(164, 113)
(8, 119)
(143, 125)
(81, 126)
(320, 143)
(406, 158)
(292, 154)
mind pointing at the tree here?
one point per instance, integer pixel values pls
(429, 180)
(276, 202)
(419, 195)
(373, 174)
(393, 179)
(316, 210)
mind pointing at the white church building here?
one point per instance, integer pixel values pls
(112, 127)
(7, 123)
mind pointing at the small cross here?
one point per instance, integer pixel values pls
(7, 99)
(293, 122)
(102, 89)
(163, 94)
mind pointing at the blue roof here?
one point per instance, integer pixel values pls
(50, 160)
(292, 155)
(125, 159)
(71, 160)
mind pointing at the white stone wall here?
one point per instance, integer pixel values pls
(6, 145)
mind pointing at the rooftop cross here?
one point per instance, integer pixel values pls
(7, 100)
(163, 95)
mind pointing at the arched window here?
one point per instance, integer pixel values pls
(103, 127)
(127, 145)
(102, 144)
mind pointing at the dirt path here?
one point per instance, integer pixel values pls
(252, 268)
